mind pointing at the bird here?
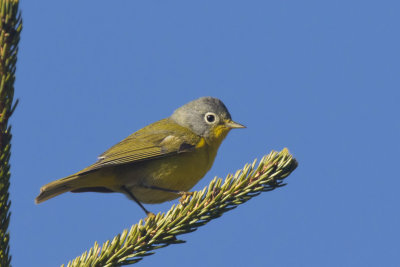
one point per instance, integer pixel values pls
(159, 162)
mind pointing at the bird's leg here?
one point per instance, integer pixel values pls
(182, 193)
(148, 213)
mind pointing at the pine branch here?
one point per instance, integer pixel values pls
(219, 197)
(10, 29)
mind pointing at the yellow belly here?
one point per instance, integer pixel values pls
(180, 173)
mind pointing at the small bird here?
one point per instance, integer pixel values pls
(158, 163)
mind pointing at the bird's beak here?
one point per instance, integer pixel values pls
(233, 125)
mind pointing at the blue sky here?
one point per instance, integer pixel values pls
(319, 77)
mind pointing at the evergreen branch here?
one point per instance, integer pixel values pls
(210, 203)
(10, 29)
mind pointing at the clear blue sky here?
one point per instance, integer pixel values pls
(319, 77)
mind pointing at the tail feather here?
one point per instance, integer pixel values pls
(55, 188)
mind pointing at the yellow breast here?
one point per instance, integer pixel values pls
(180, 172)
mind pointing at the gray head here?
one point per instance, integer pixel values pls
(204, 114)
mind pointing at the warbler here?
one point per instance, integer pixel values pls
(158, 163)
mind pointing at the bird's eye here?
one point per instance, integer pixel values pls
(209, 117)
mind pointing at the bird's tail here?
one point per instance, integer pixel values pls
(56, 188)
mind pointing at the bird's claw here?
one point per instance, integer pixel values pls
(185, 197)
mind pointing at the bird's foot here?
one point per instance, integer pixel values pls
(185, 197)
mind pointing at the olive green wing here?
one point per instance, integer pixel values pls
(160, 139)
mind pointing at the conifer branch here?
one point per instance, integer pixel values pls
(10, 29)
(219, 197)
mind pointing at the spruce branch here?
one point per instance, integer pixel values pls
(217, 198)
(10, 29)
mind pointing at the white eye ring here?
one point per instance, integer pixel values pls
(210, 118)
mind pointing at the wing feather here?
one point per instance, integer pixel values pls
(160, 139)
